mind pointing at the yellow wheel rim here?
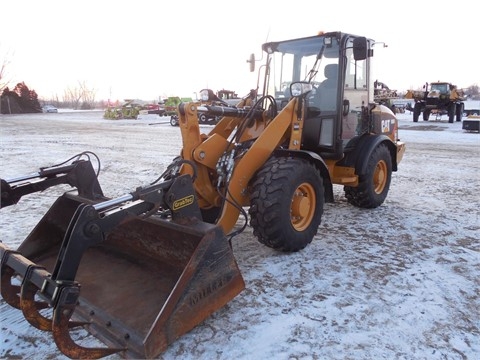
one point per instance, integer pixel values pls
(303, 206)
(380, 177)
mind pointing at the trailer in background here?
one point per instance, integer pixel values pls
(471, 111)
(471, 107)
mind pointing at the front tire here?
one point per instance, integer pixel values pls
(373, 186)
(173, 120)
(286, 203)
(202, 118)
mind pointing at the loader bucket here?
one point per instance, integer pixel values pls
(150, 281)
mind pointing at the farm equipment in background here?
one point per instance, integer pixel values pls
(222, 97)
(171, 105)
(151, 109)
(140, 270)
(130, 109)
(383, 95)
(229, 96)
(437, 98)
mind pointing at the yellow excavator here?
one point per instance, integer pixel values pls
(140, 270)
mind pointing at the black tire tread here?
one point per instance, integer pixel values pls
(363, 196)
(269, 211)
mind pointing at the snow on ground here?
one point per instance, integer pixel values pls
(397, 282)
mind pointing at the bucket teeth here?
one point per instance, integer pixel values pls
(31, 309)
(66, 345)
(9, 291)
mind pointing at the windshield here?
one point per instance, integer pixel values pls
(441, 88)
(299, 60)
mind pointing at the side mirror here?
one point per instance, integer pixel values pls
(360, 48)
(251, 60)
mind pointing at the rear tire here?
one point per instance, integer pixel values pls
(417, 109)
(459, 112)
(426, 115)
(373, 186)
(451, 112)
(286, 203)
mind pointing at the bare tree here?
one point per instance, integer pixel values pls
(80, 97)
(4, 62)
(473, 92)
(73, 97)
(88, 96)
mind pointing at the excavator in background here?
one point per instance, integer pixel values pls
(141, 270)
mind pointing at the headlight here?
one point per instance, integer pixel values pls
(204, 95)
(300, 88)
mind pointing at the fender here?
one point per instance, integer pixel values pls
(364, 146)
(319, 163)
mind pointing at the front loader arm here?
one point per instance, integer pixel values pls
(208, 151)
(250, 162)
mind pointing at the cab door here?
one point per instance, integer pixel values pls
(355, 93)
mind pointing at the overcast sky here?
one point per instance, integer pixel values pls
(146, 49)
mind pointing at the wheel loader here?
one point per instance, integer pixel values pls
(140, 270)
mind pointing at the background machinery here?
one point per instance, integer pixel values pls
(383, 95)
(222, 97)
(472, 113)
(140, 270)
(130, 109)
(170, 106)
(438, 98)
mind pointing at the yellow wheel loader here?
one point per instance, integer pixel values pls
(140, 270)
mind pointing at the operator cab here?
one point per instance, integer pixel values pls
(337, 67)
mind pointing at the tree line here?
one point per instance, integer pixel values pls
(19, 100)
